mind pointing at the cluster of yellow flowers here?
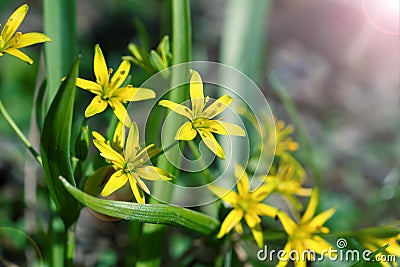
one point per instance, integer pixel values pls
(285, 179)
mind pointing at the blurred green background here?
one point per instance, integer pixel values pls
(337, 59)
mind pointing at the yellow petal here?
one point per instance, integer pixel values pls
(225, 128)
(217, 107)
(137, 192)
(304, 192)
(100, 67)
(196, 93)
(96, 106)
(132, 143)
(130, 93)
(300, 263)
(186, 132)
(288, 224)
(28, 39)
(107, 152)
(233, 218)
(116, 181)
(13, 22)
(98, 137)
(224, 194)
(119, 136)
(177, 108)
(17, 53)
(257, 234)
(120, 75)
(242, 180)
(141, 157)
(264, 210)
(140, 183)
(153, 173)
(210, 141)
(312, 206)
(321, 218)
(317, 244)
(89, 86)
(262, 191)
(120, 112)
(239, 228)
(251, 219)
(284, 259)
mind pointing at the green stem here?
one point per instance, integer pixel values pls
(70, 246)
(195, 150)
(19, 133)
(162, 151)
(153, 235)
(56, 238)
(304, 139)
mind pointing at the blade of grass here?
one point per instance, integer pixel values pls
(153, 235)
(59, 23)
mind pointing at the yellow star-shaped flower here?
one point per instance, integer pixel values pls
(130, 165)
(304, 235)
(201, 117)
(108, 91)
(246, 205)
(287, 180)
(10, 41)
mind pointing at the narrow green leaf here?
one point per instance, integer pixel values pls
(39, 104)
(147, 213)
(59, 23)
(55, 147)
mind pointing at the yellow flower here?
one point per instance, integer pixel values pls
(129, 165)
(284, 143)
(201, 118)
(304, 236)
(246, 205)
(287, 180)
(108, 91)
(10, 41)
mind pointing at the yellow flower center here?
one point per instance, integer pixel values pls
(245, 204)
(199, 123)
(126, 169)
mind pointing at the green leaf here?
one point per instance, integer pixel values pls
(60, 24)
(39, 104)
(147, 213)
(55, 147)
